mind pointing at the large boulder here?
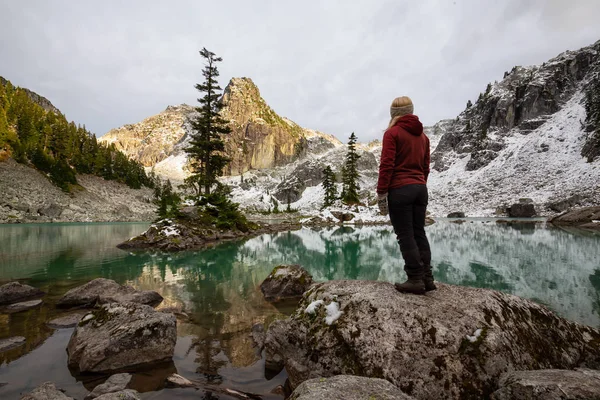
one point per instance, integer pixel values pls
(286, 282)
(550, 384)
(13, 292)
(456, 214)
(348, 387)
(46, 391)
(455, 342)
(586, 217)
(119, 336)
(52, 211)
(343, 216)
(103, 291)
(522, 210)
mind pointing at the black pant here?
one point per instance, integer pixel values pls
(407, 205)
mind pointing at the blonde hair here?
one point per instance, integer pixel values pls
(400, 107)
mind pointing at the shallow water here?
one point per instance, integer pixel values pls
(218, 288)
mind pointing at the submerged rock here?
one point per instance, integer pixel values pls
(549, 384)
(119, 336)
(348, 387)
(13, 292)
(114, 383)
(11, 343)
(46, 391)
(103, 291)
(178, 381)
(22, 306)
(127, 394)
(454, 342)
(66, 321)
(586, 217)
(286, 282)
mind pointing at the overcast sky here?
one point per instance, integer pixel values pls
(329, 65)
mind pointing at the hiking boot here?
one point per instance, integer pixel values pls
(427, 274)
(428, 279)
(414, 284)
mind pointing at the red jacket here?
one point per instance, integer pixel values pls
(404, 156)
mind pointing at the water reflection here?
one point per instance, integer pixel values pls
(218, 287)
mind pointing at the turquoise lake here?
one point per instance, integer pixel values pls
(218, 288)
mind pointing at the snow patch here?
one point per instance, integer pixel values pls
(312, 307)
(475, 336)
(333, 312)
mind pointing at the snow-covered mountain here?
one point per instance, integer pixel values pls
(527, 136)
(523, 138)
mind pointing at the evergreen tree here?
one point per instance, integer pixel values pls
(350, 186)
(206, 145)
(469, 104)
(329, 187)
(167, 199)
(488, 89)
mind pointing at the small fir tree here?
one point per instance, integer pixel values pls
(329, 187)
(469, 104)
(167, 200)
(350, 186)
(207, 146)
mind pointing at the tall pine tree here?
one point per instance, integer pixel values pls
(350, 185)
(206, 146)
(329, 187)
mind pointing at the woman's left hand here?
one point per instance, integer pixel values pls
(382, 203)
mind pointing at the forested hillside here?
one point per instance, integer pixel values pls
(34, 132)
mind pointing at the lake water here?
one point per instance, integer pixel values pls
(218, 288)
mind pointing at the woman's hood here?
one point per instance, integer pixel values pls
(411, 124)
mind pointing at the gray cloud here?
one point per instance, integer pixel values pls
(328, 65)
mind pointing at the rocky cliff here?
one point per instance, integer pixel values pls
(523, 138)
(260, 138)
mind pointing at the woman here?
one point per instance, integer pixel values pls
(402, 191)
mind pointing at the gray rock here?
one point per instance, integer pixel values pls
(456, 214)
(51, 211)
(119, 336)
(454, 342)
(22, 306)
(581, 217)
(11, 343)
(114, 383)
(521, 210)
(549, 384)
(286, 282)
(66, 321)
(13, 292)
(348, 387)
(176, 380)
(343, 216)
(46, 391)
(102, 291)
(121, 395)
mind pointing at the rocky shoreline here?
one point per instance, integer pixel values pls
(347, 339)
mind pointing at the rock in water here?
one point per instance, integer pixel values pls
(178, 381)
(66, 321)
(348, 387)
(103, 291)
(521, 210)
(550, 384)
(46, 391)
(585, 217)
(114, 383)
(286, 282)
(456, 214)
(121, 395)
(11, 343)
(13, 292)
(22, 306)
(452, 343)
(118, 336)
